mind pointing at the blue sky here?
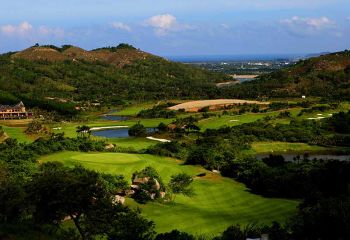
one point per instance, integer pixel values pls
(180, 27)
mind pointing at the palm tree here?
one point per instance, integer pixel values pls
(83, 130)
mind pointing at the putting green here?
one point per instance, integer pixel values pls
(218, 203)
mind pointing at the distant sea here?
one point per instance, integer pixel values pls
(232, 58)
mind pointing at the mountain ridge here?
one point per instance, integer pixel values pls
(119, 57)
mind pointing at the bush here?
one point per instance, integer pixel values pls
(175, 235)
(138, 130)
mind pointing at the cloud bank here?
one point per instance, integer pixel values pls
(25, 30)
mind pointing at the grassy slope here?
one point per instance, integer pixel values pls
(270, 147)
(134, 109)
(326, 75)
(134, 143)
(18, 133)
(218, 203)
(216, 122)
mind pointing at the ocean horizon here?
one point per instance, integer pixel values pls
(243, 57)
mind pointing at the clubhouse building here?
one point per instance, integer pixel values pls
(17, 111)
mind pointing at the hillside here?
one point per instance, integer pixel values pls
(324, 76)
(48, 75)
(119, 56)
(61, 78)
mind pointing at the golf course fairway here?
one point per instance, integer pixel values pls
(218, 203)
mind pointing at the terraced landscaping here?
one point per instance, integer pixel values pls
(218, 203)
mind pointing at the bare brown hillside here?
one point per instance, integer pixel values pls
(118, 58)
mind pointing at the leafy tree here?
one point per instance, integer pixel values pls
(83, 131)
(327, 218)
(58, 192)
(162, 127)
(35, 127)
(274, 160)
(180, 184)
(278, 232)
(117, 222)
(175, 235)
(237, 233)
(137, 130)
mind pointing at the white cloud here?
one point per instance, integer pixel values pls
(121, 26)
(163, 24)
(304, 26)
(348, 18)
(21, 29)
(27, 30)
(311, 23)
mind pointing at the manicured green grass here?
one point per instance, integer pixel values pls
(218, 203)
(18, 133)
(270, 147)
(133, 143)
(134, 109)
(216, 122)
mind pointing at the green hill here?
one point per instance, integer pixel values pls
(324, 76)
(48, 75)
(61, 78)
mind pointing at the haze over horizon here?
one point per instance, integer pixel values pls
(181, 28)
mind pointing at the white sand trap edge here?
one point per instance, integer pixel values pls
(158, 139)
(108, 127)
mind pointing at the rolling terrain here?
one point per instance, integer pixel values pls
(323, 76)
(61, 79)
(218, 203)
(69, 79)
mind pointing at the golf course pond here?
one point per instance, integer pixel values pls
(111, 117)
(117, 133)
(114, 117)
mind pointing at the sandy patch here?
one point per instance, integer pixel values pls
(194, 106)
